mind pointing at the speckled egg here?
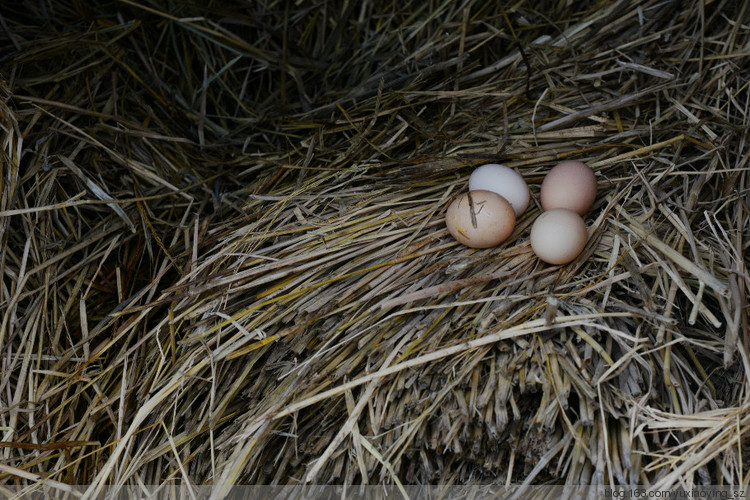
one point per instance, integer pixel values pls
(480, 219)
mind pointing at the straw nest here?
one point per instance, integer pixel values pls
(224, 257)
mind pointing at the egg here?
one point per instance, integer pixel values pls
(558, 236)
(504, 181)
(570, 184)
(480, 219)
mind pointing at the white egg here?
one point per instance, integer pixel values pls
(504, 181)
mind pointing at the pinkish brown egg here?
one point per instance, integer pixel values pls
(480, 219)
(558, 236)
(570, 184)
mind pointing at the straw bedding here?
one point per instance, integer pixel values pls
(224, 257)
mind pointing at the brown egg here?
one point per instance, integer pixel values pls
(558, 236)
(572, 185)
(480, 219)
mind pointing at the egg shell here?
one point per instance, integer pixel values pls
(558, 236)
(570, 184)
(504, 181)
(492, 222)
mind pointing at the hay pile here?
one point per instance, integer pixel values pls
(224, 258)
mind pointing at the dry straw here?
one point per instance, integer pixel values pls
(224, 260)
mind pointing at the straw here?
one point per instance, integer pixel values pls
(224, 257)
